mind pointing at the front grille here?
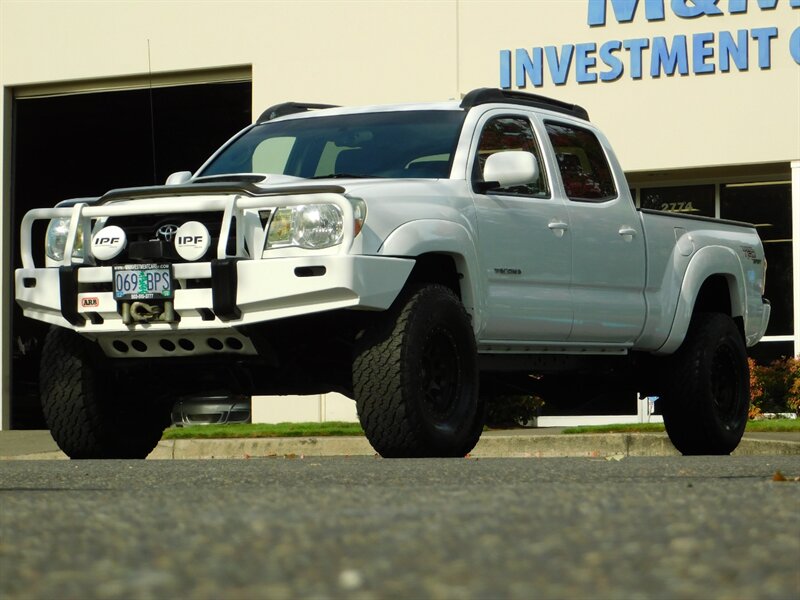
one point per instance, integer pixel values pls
(143, 228)
(145, 245)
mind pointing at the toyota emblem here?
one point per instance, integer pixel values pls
(166, 232)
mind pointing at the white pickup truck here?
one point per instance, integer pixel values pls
(417, 258)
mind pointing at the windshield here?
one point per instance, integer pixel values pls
(417, 143)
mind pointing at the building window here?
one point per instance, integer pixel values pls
(765, 352)
(685, 199)
(769, 208)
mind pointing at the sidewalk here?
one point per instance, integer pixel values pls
(535, 442)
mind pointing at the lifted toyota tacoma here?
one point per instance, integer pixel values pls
(420, 259)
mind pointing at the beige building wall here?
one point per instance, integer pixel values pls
(665, 123)
(362, 52)
(357, 52)
(315, 408)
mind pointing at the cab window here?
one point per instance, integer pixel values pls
(510, 133)
(582, 163)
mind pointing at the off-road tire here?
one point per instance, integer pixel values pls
(707, 397)
(85, 418)
(415, 378)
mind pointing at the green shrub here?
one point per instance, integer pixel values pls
(793, 397)
(775, 388)
(756, 389)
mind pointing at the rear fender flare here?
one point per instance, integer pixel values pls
(707, 262)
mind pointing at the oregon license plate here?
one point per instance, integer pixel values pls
(142, 282)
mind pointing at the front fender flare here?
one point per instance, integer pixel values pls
(436, 236)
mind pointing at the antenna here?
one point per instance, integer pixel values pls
(152, 113)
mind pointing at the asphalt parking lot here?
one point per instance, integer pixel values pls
(365, 527)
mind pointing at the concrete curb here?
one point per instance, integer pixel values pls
(753, 447)
(583, 445)
(601, 445)
(262, 447)
(496, 446)
(612, 445)
(57, 455)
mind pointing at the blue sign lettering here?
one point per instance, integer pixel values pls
(529, 65)
(624, 11)
(728, 49)
(584, 62)
(559, 69)
(505, 69)
(700, 52)
(635, 47)
(764, 37)
(667, 59)
(606, 62)
(687, 9)
(740, 6)
(607, 56)
(794, 45)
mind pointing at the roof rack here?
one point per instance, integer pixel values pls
(489, 95)
(289, 108)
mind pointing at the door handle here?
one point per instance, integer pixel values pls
(558, 227)
(627, 233)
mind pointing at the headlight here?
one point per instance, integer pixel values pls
(319, 226)
(309, 226)
(56, 239)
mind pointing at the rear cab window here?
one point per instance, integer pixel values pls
(582, 163)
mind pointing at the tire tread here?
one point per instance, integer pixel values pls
(73, 405)
(392, 423)
(689, 416)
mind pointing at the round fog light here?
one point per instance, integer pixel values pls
(108, 242)
(192, 240)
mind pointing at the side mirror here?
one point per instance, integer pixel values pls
(179, 177)
(510, 167)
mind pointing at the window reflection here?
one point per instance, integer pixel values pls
(685, 199)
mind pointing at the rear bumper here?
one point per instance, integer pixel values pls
(240, 293)
(766, 308)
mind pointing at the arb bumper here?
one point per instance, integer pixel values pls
(224, 293)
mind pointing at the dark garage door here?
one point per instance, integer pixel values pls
(85, 144)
